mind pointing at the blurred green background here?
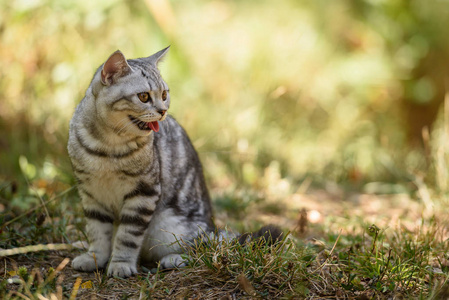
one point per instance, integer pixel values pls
(272, 93)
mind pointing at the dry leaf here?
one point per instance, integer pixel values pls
(246, 285)
(87, 285)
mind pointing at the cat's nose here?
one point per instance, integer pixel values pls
(162, 112)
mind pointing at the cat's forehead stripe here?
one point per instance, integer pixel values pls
(157, 78)
(151, 74)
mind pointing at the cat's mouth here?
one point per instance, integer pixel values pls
(145, 125)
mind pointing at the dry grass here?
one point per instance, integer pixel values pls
(318, 261)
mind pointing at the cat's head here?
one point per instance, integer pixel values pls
(130, 95)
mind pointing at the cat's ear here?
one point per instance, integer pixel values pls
(114, 68)
(157, 57)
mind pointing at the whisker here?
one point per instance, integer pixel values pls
(121, 122)
(127, 125)
(124, 127)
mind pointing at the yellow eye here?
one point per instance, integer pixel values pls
(164, 95)
(144, 97)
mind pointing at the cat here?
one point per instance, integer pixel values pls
(139, 177)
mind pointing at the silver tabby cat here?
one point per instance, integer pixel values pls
(139, 178)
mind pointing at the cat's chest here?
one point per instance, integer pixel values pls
(109, 188)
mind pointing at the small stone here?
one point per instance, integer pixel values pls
(14, 280)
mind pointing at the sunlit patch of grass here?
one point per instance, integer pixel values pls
(382, 264)
(362, 262)
(219, 268)
(375, 265)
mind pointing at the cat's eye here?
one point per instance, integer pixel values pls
(164, 95)
(144, 97)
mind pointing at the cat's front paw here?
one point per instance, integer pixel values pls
(87, 263)
(121, 269)
(172, 261)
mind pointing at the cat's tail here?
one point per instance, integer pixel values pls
(269, 234)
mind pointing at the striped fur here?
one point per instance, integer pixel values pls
(146, 187)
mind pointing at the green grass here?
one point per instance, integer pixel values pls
(354, 261)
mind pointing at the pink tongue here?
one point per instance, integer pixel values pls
(154, 126)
